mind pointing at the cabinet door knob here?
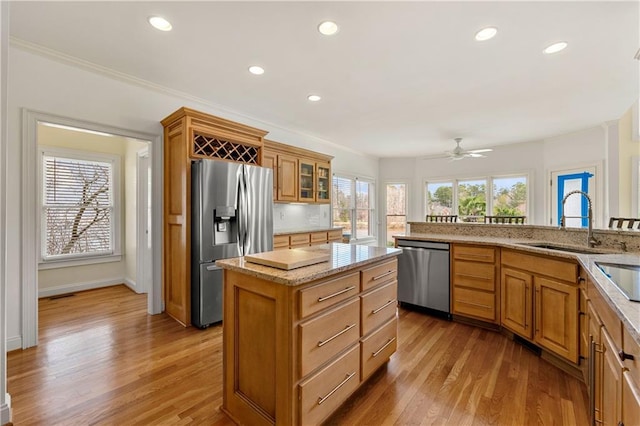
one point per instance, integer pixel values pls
(623, 355)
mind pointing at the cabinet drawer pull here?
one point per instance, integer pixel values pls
(346, 379)
(376, 353)
(623, 355)
(337, 293)
(382, 275)
(324, 342)
(375, 311)
(479, 305)
(477, 256)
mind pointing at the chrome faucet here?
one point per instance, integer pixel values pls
(591, 240)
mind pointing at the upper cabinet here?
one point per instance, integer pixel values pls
(299, 175)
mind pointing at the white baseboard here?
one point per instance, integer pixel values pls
(14, 343)
(71, 288)
(5, 410)
(131, 284)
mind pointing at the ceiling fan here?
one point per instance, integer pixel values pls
(458, 153)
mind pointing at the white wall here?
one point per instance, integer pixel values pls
(130, 205)
(56, 87)
(537, 158)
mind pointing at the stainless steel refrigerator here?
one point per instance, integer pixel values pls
(232, 215)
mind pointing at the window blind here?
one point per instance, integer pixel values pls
(77, 207)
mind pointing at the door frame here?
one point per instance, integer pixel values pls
(30, 215)
(597, 198)
(143, 257)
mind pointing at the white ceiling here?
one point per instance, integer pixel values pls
(399, 79)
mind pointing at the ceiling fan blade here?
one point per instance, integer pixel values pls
(475, 155)
(477, 151)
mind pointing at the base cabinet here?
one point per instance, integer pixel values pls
(540, 301)
(293, 354)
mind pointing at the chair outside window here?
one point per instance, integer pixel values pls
(519, 220)
(624, 223)
(442, 218)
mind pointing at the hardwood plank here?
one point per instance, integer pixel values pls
(103, 360)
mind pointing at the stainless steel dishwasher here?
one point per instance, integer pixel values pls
(423, 274)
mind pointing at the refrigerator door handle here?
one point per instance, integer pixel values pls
(240, 229)
(247, 238)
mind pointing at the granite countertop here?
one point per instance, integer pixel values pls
(305, 230)
(342, 257)
(627, 311)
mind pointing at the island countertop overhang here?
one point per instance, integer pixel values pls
(342, 257)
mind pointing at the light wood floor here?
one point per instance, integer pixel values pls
(103, 360)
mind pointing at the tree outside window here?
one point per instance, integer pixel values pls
(472, 200)
(440, 198)
(510, 196)
(396, 210)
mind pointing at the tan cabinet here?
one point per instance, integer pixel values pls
(516, 312)
(300, 175)
(548, 287)
(475, 290)
(293, 354)
(616, 364)
(556, 318)
(190, 135)
(306, 239)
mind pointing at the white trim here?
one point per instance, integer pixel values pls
(14, 343)
(72, 288)
(142, 227)
(635, 121)
(65, 263)
(30, 217)
(5, 410)
(131, 284)
(382, 231)
(635, 186)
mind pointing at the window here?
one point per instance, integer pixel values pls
(510, 196)
(440, 198)
(471, 199)
(353, 206)
(396, 210)
(78, 193)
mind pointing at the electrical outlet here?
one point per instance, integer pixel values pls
(281, 215)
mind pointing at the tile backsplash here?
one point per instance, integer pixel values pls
(290, 216)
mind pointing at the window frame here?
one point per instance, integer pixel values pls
(406, 207)
(489, 195)
(373, 223)
(77, 259)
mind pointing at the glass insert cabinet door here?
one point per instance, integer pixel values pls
(307, 178)
(323, 183)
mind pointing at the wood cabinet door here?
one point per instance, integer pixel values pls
(323, 183)
(287, 178)
(630, 400)
(610, 411)
(556, 319)
(306, 181)
(584, 332)
(595, 332)
(516, 306)
(270, 161)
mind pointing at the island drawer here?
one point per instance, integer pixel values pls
(474, 253)
(318, 237)
(376, 349)
(328, 293)
(322, 393)
(299, 240)
(280, 242)
(331, 332)
(474, 303)
(379, 274)
(334, 235)
(476, 275)
(378, 306)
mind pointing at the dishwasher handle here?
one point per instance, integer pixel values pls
(431, 245)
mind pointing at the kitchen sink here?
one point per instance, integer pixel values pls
(571, 249)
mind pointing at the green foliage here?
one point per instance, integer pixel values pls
(472, 200)
(511, 201)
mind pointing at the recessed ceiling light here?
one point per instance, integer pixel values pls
(486, 33)
(328, 28)
(555, 47)
(254, 69)
(314, 98)
(160, 23)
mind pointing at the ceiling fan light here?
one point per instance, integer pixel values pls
(555, 47)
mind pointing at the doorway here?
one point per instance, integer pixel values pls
(564, 181)
(116, 259)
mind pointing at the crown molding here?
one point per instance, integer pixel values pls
(127, 78)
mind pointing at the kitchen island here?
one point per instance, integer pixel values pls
(298, 342)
